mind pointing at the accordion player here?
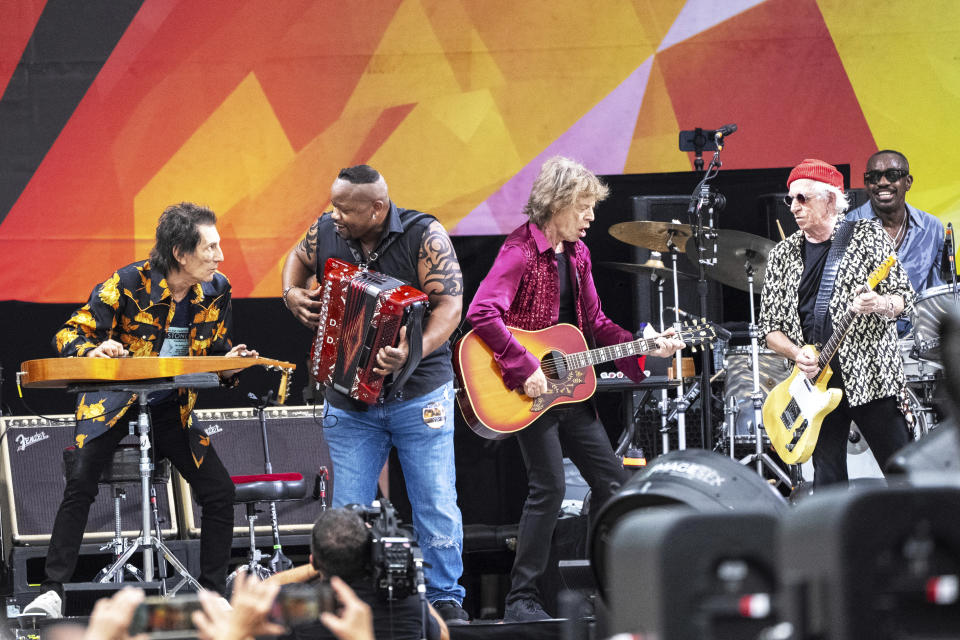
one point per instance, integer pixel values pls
(362, 311)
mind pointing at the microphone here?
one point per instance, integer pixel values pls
(725, 130)
(680, 312)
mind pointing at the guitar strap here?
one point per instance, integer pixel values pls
(587, 329)
(841, 240)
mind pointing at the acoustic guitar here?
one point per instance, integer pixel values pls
(794, 410)
(494, 411)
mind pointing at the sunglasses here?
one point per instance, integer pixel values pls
(892, 175)
(801, 198)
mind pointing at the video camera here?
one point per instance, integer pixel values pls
(395, 557)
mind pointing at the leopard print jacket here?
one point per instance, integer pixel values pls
(869, 356)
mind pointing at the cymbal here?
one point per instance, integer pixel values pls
(649, 268)
(656, 236)
(734, 250)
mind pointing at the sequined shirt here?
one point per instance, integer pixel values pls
(522, 291)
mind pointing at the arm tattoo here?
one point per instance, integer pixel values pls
(443, 271)
(308, 246)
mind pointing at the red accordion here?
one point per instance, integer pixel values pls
(362, 311)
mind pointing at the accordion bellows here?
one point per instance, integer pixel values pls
(361, 311)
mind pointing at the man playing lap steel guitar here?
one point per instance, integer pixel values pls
(174, 304)
(542, 277)
(814, 290)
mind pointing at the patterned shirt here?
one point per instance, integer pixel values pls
(869, 356)
(134, 307)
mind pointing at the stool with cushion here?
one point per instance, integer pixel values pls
(266, 487)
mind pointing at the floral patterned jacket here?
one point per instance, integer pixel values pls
(134, 307)
(869, 355)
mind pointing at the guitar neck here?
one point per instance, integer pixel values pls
(839, 333)
(600, 355)
(842, 327)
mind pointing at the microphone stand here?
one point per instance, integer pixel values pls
(702, 233)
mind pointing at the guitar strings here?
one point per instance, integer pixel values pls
(551, 370)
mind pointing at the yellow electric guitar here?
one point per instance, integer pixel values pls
(795, 408)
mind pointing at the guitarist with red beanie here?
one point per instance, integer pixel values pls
(813, 278)
(542, 277)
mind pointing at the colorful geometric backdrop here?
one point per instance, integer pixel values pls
(251, 106)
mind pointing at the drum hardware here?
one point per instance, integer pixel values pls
(733, 249)
(759, 457)
(653, 268)
(928, 310)
(661, 237)
(664, 396)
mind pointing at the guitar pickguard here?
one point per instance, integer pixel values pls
(558, 389)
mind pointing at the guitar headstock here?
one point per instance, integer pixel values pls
(880, 273)
(696, 334)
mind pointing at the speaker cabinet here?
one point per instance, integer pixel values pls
(678, 575)
(872, 563)
(31, 458)
(296, 443)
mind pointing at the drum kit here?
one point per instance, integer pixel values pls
(747, 372)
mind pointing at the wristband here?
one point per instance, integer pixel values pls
(283, 296)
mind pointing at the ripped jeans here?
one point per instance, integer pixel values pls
(421, 429)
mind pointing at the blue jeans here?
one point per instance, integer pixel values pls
(422, 431)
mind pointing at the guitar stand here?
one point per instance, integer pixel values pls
(759, 457)
(150, 539)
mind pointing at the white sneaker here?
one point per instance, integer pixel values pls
(48, 605)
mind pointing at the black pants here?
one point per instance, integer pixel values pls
(575, 429)
(880, 421)
(210, 484)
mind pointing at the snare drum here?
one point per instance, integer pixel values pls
(928, 308)
(738, 362)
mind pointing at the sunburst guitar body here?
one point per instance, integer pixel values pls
(494, 411)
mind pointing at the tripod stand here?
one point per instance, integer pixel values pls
(759, 457)
(150, 539)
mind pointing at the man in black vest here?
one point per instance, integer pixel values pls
(365, 227)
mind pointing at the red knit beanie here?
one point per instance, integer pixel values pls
(816, 170)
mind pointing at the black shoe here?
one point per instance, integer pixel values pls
(451, 612)
(525, 610)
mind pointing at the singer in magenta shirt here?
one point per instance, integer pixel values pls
(522, 290)
(540, 278)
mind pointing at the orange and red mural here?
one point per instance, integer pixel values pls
(251, 107)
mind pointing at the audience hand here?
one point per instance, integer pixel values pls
(355, 621)
(252, 601)
(110, 619)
